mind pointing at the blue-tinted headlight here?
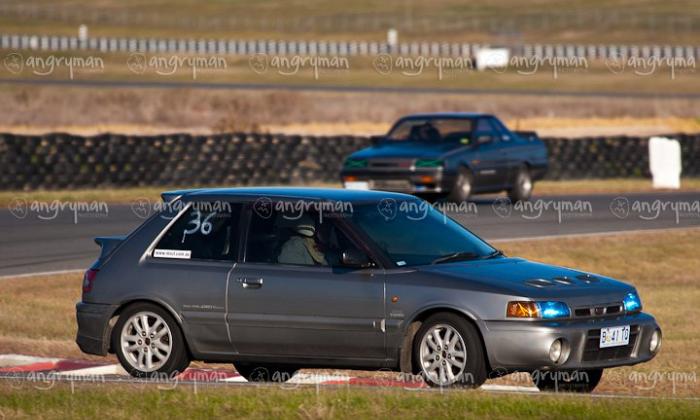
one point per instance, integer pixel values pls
(632, 302)
(551, 310)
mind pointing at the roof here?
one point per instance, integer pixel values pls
(332, 194)
(447, 115)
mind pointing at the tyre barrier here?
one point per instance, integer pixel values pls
(63, 161)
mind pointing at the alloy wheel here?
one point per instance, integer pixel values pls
(146, 341)
(443, 355)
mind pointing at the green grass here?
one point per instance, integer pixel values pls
(129, 401)
(174, 18)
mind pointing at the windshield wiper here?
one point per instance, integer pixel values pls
(494, 254)
(456, 256)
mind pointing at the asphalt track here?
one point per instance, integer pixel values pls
(340, 88)
(37, 240)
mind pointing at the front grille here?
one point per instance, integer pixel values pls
(391, 184)
(593, 353)
(390, 163)
(598, 310)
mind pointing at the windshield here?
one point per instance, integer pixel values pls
(433, 130)
(412, 232)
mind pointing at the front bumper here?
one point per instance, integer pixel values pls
(406, 180)
(524, 346)
(93, 327)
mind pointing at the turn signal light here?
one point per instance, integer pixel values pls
(350, 178)
(427, 179)
(522, 310)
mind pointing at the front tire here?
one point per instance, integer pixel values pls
(255, 372)
(448, 352)
(462, 189)
(583, 381)
(148, 342)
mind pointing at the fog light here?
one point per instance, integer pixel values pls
(555, 351)
(655, 342)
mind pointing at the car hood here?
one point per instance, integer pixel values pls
(407, 149)
(520, 277)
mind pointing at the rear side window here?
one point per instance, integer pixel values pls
(483, 126)
(206, 231)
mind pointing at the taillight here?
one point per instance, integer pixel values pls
(89, 279)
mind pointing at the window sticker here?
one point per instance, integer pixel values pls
(400, 263)
(172, 253)
(203, 227)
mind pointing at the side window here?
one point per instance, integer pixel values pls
(484, 131)
(281, 234)
(483, 126)
(207, 231)
(500, 129)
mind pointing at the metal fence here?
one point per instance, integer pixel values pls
(341, 48)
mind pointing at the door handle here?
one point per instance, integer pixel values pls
(247, 283)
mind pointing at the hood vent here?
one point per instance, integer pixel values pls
(564, 280)
(587, 278)
(540, 283)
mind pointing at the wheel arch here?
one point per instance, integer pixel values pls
(406, 362)
(151, 301)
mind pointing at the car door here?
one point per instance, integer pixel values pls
(490, 165)
(192, 260)
(300, 309)
(510, 151)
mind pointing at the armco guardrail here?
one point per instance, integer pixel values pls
(341, 48)
(57, 161)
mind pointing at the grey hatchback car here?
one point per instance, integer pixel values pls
(278, 279)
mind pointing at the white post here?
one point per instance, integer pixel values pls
(665, 162)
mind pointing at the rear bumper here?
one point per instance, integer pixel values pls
(418, 180)
(93, 327)
(516, 345)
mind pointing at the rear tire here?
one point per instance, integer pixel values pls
(156, 350)
(448, 352)
(522, 189)
(257, 372)
(583, 381)
(462, 189)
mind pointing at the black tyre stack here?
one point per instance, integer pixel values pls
(63, 161)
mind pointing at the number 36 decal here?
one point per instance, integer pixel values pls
(198, 224)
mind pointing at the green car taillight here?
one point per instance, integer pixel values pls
(429, 163)
(355, 163)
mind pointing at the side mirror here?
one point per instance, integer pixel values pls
(355, 258)
(484, 138)
(375, 140)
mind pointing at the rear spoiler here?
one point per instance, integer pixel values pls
(108, 244)
(170, 196)
(527, 135)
